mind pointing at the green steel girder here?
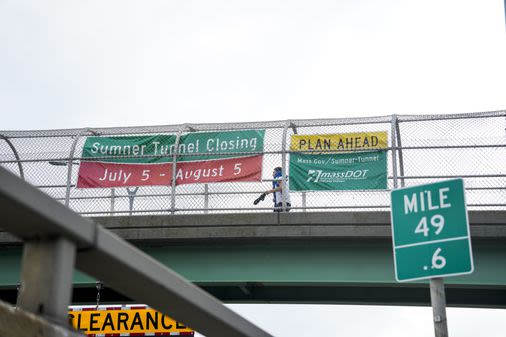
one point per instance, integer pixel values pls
(303, 271)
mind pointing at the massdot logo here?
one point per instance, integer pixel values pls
(313, 175)
(316, 176)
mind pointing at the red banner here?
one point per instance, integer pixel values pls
(100, 174)
(213, 171)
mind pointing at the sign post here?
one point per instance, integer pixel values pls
(438, 301)
(431, 238)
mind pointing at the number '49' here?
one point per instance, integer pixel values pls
(437, 221)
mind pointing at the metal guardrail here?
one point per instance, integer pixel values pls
(421, 149)
(54, 237)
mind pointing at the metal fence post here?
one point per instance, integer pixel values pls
(13, 148)
(173, 180)
(174, 169)
(394, 149)
(399, 146)
(303, 194)
(131, 198)
(46, 278)
(283, 166)
(206, 198)
(70, 163)
(113, 199)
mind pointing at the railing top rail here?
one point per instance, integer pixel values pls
(242, 125)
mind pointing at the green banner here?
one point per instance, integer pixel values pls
(350, 171)
(197, 146)
(219, 145)
(129, 149)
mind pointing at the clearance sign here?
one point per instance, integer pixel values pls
(125, 321)
(348, 161)
(203, 157)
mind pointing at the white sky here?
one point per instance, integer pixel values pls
(77, 63)
(371, 321)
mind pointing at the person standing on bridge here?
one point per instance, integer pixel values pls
(277, 190)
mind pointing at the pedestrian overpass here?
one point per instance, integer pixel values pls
(334, 246)
(291, 258)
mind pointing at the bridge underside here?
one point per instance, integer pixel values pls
(290, 258)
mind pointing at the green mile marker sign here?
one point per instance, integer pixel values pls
(430, 231)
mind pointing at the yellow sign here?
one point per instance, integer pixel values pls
(136, 320)
(359, 141)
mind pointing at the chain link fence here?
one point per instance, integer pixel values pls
(421, 149)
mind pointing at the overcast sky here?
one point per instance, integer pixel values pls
(371, 321)
(70, 63)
